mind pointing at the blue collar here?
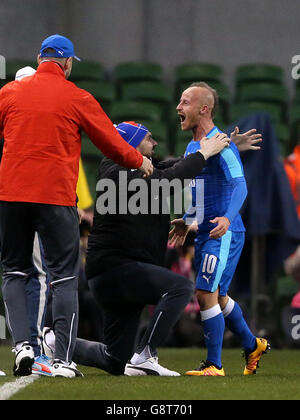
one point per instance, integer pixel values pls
(212, 132)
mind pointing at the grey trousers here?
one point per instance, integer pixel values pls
(58, 229)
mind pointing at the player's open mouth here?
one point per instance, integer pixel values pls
(182, 118)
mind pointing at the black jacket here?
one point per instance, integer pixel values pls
(116, 239)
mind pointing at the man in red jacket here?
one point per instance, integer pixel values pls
(41, 118)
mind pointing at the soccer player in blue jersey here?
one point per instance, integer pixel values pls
(218, 195)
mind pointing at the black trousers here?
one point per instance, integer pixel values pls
(123, 293)
(58, 229)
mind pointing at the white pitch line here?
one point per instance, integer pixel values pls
(9, 389)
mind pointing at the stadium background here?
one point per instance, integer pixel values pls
(172, 33)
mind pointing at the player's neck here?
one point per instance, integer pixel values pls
(203, 128)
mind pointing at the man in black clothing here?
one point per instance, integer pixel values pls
(125, 254)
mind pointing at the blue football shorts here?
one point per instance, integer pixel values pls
(216, 260)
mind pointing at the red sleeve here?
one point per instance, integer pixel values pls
(103, 134)
(1, 115)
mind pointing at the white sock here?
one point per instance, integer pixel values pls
(210, 313)
(229, 307)
(142, 357)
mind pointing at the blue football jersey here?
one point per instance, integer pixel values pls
(212, 190)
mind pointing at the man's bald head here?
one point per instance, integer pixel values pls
(207, 96)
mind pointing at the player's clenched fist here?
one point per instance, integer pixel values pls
(214, 145)
(147, 166)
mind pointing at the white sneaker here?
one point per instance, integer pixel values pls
(48, 350)
(65, 370)
(24, 361)
(149, 367)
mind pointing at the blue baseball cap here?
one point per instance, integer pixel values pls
(63, 47)
(132, 132)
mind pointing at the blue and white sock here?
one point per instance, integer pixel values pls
(213, 326)
(234, 320)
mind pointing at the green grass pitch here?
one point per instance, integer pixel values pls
(277, 379)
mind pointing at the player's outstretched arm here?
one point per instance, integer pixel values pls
(246, 141)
